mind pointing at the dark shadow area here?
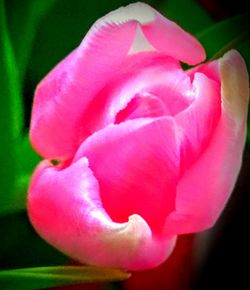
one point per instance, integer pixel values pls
(226, 266)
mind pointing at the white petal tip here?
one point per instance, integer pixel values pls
(141, 12)
(234, 85)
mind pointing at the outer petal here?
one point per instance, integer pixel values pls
(168, 37)
(65, 208)
(62, 97)
(161, 33)
(137, 166)
(58, 122)
(205, 188)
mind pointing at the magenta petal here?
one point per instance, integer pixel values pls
(65, 208)
(161, 33)
(62, 97)
(209, 69)
(135, 80)
(137, 166)
(166, 36)
(205, 188)
(136, 92)
(142, 105)
(197, 123)
(58, 122)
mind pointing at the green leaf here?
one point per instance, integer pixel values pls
(43, 277)
(11, 103)
(188, 14)
(62, 31)
(11, 122)
(17, 33)
(23, 19)
(225, 35)
(25, 159)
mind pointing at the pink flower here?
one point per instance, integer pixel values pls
(146, 150)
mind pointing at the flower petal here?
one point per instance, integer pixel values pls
(197, 123)
(65, 208)
(137, 165)
(161, 33)
(166, 36)
(205, 188)
(136, 78)
(63, 95)
(141, 106)
(235, 87)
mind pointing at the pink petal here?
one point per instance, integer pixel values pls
(209, 69)
(204, 189)
(160, 33)
(198, 121)
(166, 36)
(65, 208)
(137, 166)
(142, 105)
(168, 93)
(58, 122)
(62, 97)
(137, 80)
(174, 87)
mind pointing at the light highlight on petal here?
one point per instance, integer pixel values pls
(141, 175)
(64, 94)
(200, 200)
(65, 208)
(235, 85)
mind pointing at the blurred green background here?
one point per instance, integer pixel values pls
(34, 36)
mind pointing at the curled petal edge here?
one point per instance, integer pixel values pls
(234, 85)
(70, 88)
(66, 210)
(210, 195)
(160, 33)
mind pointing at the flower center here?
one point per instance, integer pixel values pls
(141, 106)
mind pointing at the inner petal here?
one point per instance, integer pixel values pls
(198, 122)
(139, 176)
(176, 98)
(142, 105)
(157, 82)
(160, 89)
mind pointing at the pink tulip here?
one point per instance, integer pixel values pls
(146, 150)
